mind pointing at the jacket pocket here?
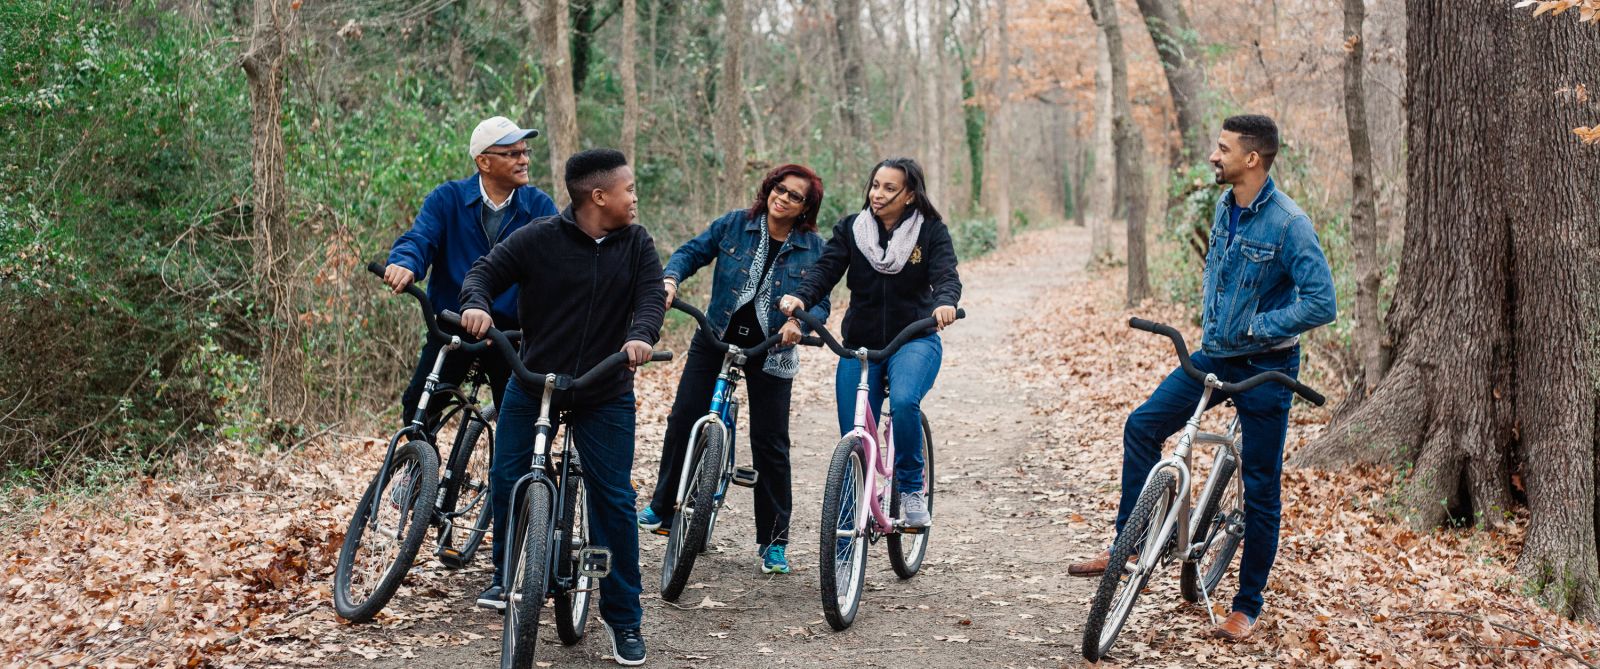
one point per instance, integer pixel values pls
(1258, 261)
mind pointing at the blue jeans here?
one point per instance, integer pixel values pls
(911, 372)
(1264, 419)
(603, 435)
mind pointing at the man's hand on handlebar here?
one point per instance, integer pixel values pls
(945, 315)
(672, 291)
(397, 278)
(638, 353)
(476, 322)
(790, 332)
(789, 303)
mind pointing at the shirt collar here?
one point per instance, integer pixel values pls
(490, 203)
(1267, 189)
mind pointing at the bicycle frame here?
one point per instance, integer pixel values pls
(724, 410)
(879, 464)
(544, 430)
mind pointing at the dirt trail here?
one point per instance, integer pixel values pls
(993, 591)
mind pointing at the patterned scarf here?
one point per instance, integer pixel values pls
(902, 240)
(782, 362)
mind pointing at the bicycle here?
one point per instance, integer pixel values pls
(382, 539)
(1161, 523)
(849, 526)
(703, 486)
(533, 570)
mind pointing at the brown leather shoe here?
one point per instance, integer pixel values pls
(1237, 627)
(1092, 567)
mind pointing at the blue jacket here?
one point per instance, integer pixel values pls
(447, 237)
(731, 241)
(1268, 285)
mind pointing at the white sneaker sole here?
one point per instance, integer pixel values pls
(612, 635)
(495, 604)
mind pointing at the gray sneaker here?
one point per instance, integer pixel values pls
(914, 508)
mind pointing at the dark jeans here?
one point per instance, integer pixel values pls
(1264, 419)
(769, 438)
(603, 435)
(911, 371)
(453, 372)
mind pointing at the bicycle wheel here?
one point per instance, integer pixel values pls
(466, 500)
(690, 523)
(843, 553)
(1119, 588)
(1221, 526)
(572, 605)
(906, 551)
(383, 537)
(525, 584)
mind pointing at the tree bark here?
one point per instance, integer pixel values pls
(847, 31)
(729, 98)
(629, 77)
(1178, 46)
(263, 61)
(1363, 210)
(549, 22)
(1494, 345)
(999, 166)
(1128, 147)
(1101, 197)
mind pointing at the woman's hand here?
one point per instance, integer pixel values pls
(945, 315)
(672, 292)
(788, 303)
(790, 332)
(476, 322)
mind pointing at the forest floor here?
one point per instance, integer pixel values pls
(229, 562)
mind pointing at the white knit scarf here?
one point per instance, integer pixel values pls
(902, 240)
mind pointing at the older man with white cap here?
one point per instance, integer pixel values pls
(459, 222)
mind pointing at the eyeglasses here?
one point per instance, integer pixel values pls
(790, 195)
(507, 154)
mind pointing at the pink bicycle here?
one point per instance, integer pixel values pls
(849, 526)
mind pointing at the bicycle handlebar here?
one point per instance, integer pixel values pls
(912, 331)
(605, 367)
(428, 318)
(704, 333)
(1231, 388)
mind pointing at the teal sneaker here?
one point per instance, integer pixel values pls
(773, 560)
(648, 520)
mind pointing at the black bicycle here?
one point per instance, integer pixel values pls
(408, 494)
(709, 462)
(550, 556)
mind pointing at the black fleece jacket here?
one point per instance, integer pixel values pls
(881, 305)
(580, 301)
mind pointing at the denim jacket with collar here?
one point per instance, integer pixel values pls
(731, 241)
(1270, 284)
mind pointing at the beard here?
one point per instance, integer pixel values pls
(1221, 176)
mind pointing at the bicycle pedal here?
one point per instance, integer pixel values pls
(745, 476)
(594, 562)
(450, 557)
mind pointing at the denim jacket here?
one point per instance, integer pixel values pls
(1271, 284)
(731, 241)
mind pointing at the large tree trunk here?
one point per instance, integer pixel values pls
(1101, 155)
(932, 84)
(1000, 154)
(1128, 147)
(263, 64)
(729, 98)
(1363, 210)
(629, 77)
(1494, 358)
(1178, 46)
(847, 31)
(549, 22)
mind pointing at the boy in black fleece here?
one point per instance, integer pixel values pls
(591, 285)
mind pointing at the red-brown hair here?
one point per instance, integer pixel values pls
(807, 222)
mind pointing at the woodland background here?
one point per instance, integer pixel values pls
(189, 190)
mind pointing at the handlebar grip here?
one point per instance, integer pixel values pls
(375, 267)
(1311, 395)
(1148, 326)
(960, 313)
(661, 356)
(811, 340)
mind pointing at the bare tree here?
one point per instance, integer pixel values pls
(1363, 210)
(1101, 155)
(1128, 147)
(1178, 47)
(729, 99)
(847, 31)
(628, 75)
(999, 167)
(549, 22)
(263, 63)
(1495, 358)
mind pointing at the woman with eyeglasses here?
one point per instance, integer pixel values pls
(760, 253)
(900, 265)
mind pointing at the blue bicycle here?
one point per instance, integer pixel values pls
(708, 466)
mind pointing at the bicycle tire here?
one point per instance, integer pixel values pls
(1214, 518)
(414, 476)
(837, 556)
(572, 606)
(690, 523)
(470, 460)
(907, 559)
(1139, 535)
(528, 578)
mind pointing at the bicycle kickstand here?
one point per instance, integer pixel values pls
(1210, 611)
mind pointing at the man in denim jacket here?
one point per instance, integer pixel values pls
(1266, 282)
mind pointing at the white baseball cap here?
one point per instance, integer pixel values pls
(497, 131)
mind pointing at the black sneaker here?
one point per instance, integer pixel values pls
(627, 645)
(493, 597)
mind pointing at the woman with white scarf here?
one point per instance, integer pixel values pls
(900, 266)
(760, 252)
